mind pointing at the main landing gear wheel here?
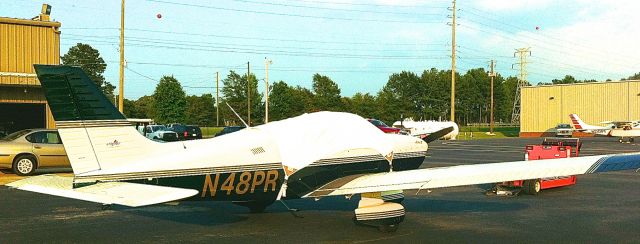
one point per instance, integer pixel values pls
(375, 212)
(532, 187)
(24, 165)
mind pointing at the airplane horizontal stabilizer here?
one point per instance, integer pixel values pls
(461, 175)
(438, 134)
(121, 193)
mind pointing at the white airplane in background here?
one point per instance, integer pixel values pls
(424, 128)
(621, 129)
(300, 157)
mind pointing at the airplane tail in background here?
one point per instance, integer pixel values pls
(581, 125)
(96, 135)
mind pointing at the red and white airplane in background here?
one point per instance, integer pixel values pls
(621, 129)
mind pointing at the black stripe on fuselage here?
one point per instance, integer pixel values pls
(178, 172)
(310, 179)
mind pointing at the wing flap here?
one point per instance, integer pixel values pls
(477, 174)
(122, 193)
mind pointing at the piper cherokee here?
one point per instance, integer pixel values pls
(300, 157)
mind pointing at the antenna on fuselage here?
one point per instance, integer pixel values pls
(234, 112)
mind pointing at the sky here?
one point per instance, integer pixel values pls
(357, 43)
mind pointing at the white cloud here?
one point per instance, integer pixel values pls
(600, 42)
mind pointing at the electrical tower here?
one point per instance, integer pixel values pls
(522, 81)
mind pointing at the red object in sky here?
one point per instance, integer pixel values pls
(159, 16)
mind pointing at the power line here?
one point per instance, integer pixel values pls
(290, 15)
(196, 43)
(491, 17)
(370, 4)
(334, 9)
(286, 53)
(270, 39)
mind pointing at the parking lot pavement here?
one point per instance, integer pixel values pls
(600, 208)
(7, 176)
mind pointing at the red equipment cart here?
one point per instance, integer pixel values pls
(549, 149)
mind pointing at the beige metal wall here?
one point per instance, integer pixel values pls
(543, 107)
(22, 44)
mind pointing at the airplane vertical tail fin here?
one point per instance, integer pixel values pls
(581, 125)
(95, 134)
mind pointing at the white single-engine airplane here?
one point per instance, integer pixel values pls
(621, 129)
(300, 157)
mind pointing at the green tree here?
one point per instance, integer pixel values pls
(326, 94)
(145, 106)
(509, 88)
(131, 110)
(566, 80)
(363, 104)
(235, 93)
(403, 96)
(170, 101)
(201, 110)
(286, 101)
(89, 60)
(438, 93)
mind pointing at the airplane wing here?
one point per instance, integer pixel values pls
(618, 124)
(122, 193)
(440, 177)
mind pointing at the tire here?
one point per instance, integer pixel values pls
(532, 187)
(24, 165)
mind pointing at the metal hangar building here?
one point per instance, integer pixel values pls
(24, 42)
(544, 107)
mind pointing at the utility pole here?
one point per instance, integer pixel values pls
(453, 63)
(248, 96)
(522, 81)
(267, 62)
(491, 74)
(121, 85)
(217, 100)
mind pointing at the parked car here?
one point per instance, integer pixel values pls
(384, 127)
(186, 132)
(564, 130)
(159, 132)
(229, 129)
(27, 150)
(194, 131)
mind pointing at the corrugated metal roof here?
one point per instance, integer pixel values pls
(17, 21)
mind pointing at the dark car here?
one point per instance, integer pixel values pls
(186, 132)
(194, 131)
(229, 129)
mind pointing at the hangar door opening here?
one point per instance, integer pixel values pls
(18, 116)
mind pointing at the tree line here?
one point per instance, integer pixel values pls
(406, 94)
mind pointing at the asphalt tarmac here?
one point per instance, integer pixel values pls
(602, 208)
